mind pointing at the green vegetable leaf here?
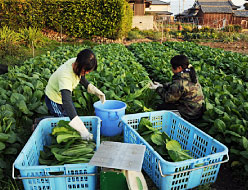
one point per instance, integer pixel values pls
(3, 137)
(178, 156)
(231, 133)
(59, 129)
(10, 150)
(2, 146)
(245, 143)
(144, 125)
(209, 106)
(157, 139)
(220, 125)
(12, 137)
(173, 145)
(66, 137)
(244, 154)
(42, 109)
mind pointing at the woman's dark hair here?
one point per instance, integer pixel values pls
(86, 60)
(183, 61)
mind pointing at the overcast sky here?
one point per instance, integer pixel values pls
(189, 3)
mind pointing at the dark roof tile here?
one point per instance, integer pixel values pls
(157, 2)
(216, 9)
(216, 3)
(241, 13)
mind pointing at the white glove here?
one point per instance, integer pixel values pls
(77, 124)
(155, 85)
(94, 90)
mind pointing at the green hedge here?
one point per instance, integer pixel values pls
(78, 18)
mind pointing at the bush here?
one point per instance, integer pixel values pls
(187, 28)
(15, 45)
(154, 35)
(244, 37)
(126, 21)
(134, 34)
(207, 29)
(237, 28)
(9, 41)
(229, 28)
(32, 36)
(111, 19)
(195, 30)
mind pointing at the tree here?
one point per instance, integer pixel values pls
(246, 5)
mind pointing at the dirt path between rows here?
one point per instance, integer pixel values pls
(239, 47)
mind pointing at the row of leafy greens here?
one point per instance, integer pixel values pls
(119, 76)
(123, 75)
(223, 76)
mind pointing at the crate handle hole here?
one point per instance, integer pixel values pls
(56, 173)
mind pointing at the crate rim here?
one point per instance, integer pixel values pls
(21, 154)
(189, 161)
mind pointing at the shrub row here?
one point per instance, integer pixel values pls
(87, 18)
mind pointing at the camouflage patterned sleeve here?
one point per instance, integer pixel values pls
(173, 92)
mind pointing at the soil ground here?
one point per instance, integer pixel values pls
(239, 47)
(226, 181)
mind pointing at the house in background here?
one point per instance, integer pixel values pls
(214, 13)
(138, 7)
(145, 11)
(140, 20)
(159, 9)
(240, 17)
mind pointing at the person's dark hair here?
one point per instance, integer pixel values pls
(86, 60)
(183, 61)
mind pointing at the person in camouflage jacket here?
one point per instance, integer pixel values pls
(184, 93)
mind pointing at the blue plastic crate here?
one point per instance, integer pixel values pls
(207, 152)
(37, 177)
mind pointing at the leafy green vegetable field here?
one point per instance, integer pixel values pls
(124, 74)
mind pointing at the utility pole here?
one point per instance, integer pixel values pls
(183, 4)
(179, 7)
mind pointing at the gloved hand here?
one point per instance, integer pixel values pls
(77, 124)
(155, 85)
(94, 90)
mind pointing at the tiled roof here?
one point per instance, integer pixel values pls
(216, 3)
(163, 12)
(241, 13)
(157, 2)
(216, 9)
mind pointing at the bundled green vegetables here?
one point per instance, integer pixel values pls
(169, 149)
(67, 147)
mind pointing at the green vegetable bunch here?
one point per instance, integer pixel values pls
(67, 147)
(169, 149)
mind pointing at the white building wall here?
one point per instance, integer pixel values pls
(143, 22)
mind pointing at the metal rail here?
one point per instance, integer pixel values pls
(189, 170)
